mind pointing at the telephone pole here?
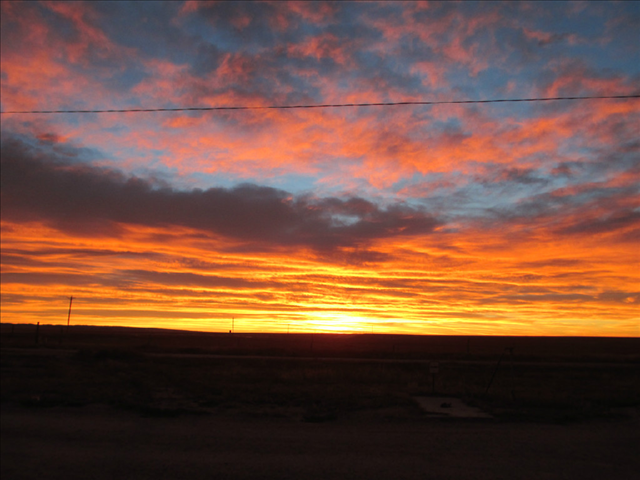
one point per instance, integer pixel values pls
(69, 316)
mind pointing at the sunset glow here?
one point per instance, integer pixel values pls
(488, 219)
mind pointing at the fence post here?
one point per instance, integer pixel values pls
(495, 370)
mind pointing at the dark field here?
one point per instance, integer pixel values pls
(165, 372)
(292, 385)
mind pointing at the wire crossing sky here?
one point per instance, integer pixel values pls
(335, 202)
(337, 105)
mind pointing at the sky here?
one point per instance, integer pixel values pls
(475, 219)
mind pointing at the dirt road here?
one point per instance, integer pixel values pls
(100, 443)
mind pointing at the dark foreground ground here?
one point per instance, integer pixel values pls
(130, 403)
(100, 443)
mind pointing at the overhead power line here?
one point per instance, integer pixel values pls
(327, 105)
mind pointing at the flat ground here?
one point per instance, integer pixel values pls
(101, 443)
(125, 403)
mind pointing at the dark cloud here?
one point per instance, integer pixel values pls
(552, 262)
(526, 176)
(577, 206)
(149, 27)
(192, 280)
(625, 27)
(40, 185)
(609, 223)
(70, 279)
(562, 169)
(80, 253)
(127, 279)
(207, 59)
(529, 298)
(247, 22)
(553, 38)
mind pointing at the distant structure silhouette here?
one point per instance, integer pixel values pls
(69, 316)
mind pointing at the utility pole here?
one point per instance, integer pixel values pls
(69, 316)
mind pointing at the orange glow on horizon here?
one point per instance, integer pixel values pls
(426, 290)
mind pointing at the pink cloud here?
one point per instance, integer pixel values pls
(576, 78)
(314, 12)
(190, 6)
(322, 46)
(84, 18)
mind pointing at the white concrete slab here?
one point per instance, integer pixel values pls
(449, 407)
